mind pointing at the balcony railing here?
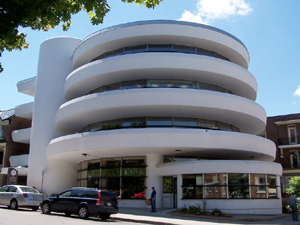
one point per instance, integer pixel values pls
(287, 141)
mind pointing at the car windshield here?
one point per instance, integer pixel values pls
(28, 189)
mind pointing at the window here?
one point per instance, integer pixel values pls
(28, 189)
(238, 185)
(292, 134)
(294, 158)
(185, 122)
(123, 176)
(134, 122)
(215, 185)
(258, 186)
(168, 185)
(272, 186)
(114, 53)
(1, 158)
(160, 48)
(12, 189)
(115, 86)
(93, 174)
(91, 194)
(192, 186)
(134, 84)
(111, 124)
(208, 124)
(1, 132)
(135, 49)
(4, 189)
(184, 84)
(65, 194)
(183, 49)
(77, 194)
(159, 83)
(202, 51)
(159, 121)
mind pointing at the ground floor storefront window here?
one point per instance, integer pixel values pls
(126, 177)
(229, 186)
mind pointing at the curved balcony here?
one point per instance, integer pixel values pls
(140, 142)
(22, 135)
(161, 66)
(27, 86)
(219, 166)
(161, 31)
(25, 110)
(247, 115)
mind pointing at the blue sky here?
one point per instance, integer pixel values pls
(270, 29)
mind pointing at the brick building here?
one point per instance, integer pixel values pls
(284, 131)
(12, 154)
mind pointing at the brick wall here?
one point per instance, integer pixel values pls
(13, 148)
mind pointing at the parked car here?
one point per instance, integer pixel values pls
(82, 201)
(15, 196)
(140, 195)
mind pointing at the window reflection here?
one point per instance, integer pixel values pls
(148, 122)
(160, 48)
(160, 83)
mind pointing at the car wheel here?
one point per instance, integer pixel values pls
(35, 208)
(83, 212)
(104, 216)
(14, 204)
(46, 208)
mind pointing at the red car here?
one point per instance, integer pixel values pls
(140, 195)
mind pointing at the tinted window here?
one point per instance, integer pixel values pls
(65, 194)
(12, 189)
(182, 48)
(135, 49)
(77, 194)
(107, 196)
(4, 189)
(160, 48)
(91, 194)
(28, 189)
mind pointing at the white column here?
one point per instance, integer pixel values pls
(179, 191)
(152, 179)
(55, 64)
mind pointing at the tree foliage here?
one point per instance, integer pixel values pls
(47, 14)
(294, 186)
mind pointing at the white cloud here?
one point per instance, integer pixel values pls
(297, 92)
(216, 9)
(188, 16)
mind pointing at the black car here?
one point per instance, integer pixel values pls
(82, 201)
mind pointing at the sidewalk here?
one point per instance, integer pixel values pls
(168, 217)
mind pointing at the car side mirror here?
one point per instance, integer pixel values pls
(57, 196)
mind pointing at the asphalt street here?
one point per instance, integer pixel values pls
(127, 217)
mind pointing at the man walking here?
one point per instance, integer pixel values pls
(292, 203)
(153, 200)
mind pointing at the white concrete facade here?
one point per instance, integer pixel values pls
(206, 125)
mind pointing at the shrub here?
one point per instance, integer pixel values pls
(216, 212)
(183, 209)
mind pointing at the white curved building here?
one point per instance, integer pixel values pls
(154, 103)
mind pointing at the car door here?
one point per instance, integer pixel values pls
(3, 195)
(11, 193)
(74, 200)
(59, 204)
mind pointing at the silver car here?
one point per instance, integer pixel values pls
(15, 196)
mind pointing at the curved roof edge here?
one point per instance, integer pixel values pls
(143, 22)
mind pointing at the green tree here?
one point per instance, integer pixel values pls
(47, 14)
(294, 186)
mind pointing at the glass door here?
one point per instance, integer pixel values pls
(174, 192)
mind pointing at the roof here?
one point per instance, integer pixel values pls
(7, 114)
